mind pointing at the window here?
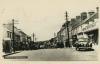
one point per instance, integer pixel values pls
(8, 34)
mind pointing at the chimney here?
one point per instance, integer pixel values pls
(83, 15)
(78, 18)
(97, 10)
(90, 13)
(73, 21)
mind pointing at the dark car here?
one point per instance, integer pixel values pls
(42, 46)
(83, 44)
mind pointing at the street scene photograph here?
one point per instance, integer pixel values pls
(50, 30)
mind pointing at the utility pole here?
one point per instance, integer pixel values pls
(35, 39)
(13, 35)
(33, 36)
(97, 8)
(54, 38)
(67, 25)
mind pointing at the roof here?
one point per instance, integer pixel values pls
(84, 21)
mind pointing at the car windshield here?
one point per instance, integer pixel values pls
(83, 42)
(83, 39)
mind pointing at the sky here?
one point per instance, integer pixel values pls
(42, 17)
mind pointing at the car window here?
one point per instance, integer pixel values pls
(83, 39)
(83, 42)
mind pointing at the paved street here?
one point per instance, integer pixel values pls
(64, 54)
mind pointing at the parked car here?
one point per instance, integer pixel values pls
(83, 44)
(42, 46)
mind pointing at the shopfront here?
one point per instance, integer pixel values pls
(92, 32)
(93, 35)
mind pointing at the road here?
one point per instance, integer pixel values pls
(64, 54)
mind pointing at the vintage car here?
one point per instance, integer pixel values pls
(83, 44)
(42, 46)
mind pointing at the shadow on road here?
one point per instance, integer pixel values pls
(86, 50)
(10, 54)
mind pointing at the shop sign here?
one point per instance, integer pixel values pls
(89, 27)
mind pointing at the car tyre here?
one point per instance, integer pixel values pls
(77, 48)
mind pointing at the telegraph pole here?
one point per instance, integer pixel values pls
(54, 38)
(67, 25)
(33, 37)
(13, 35)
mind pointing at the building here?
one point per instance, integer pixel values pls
(8, 43)
(62, 36)
(85, 24)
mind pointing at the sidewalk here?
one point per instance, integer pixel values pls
(95, 47)
(6, 54)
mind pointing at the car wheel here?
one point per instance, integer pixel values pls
(76, 48)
